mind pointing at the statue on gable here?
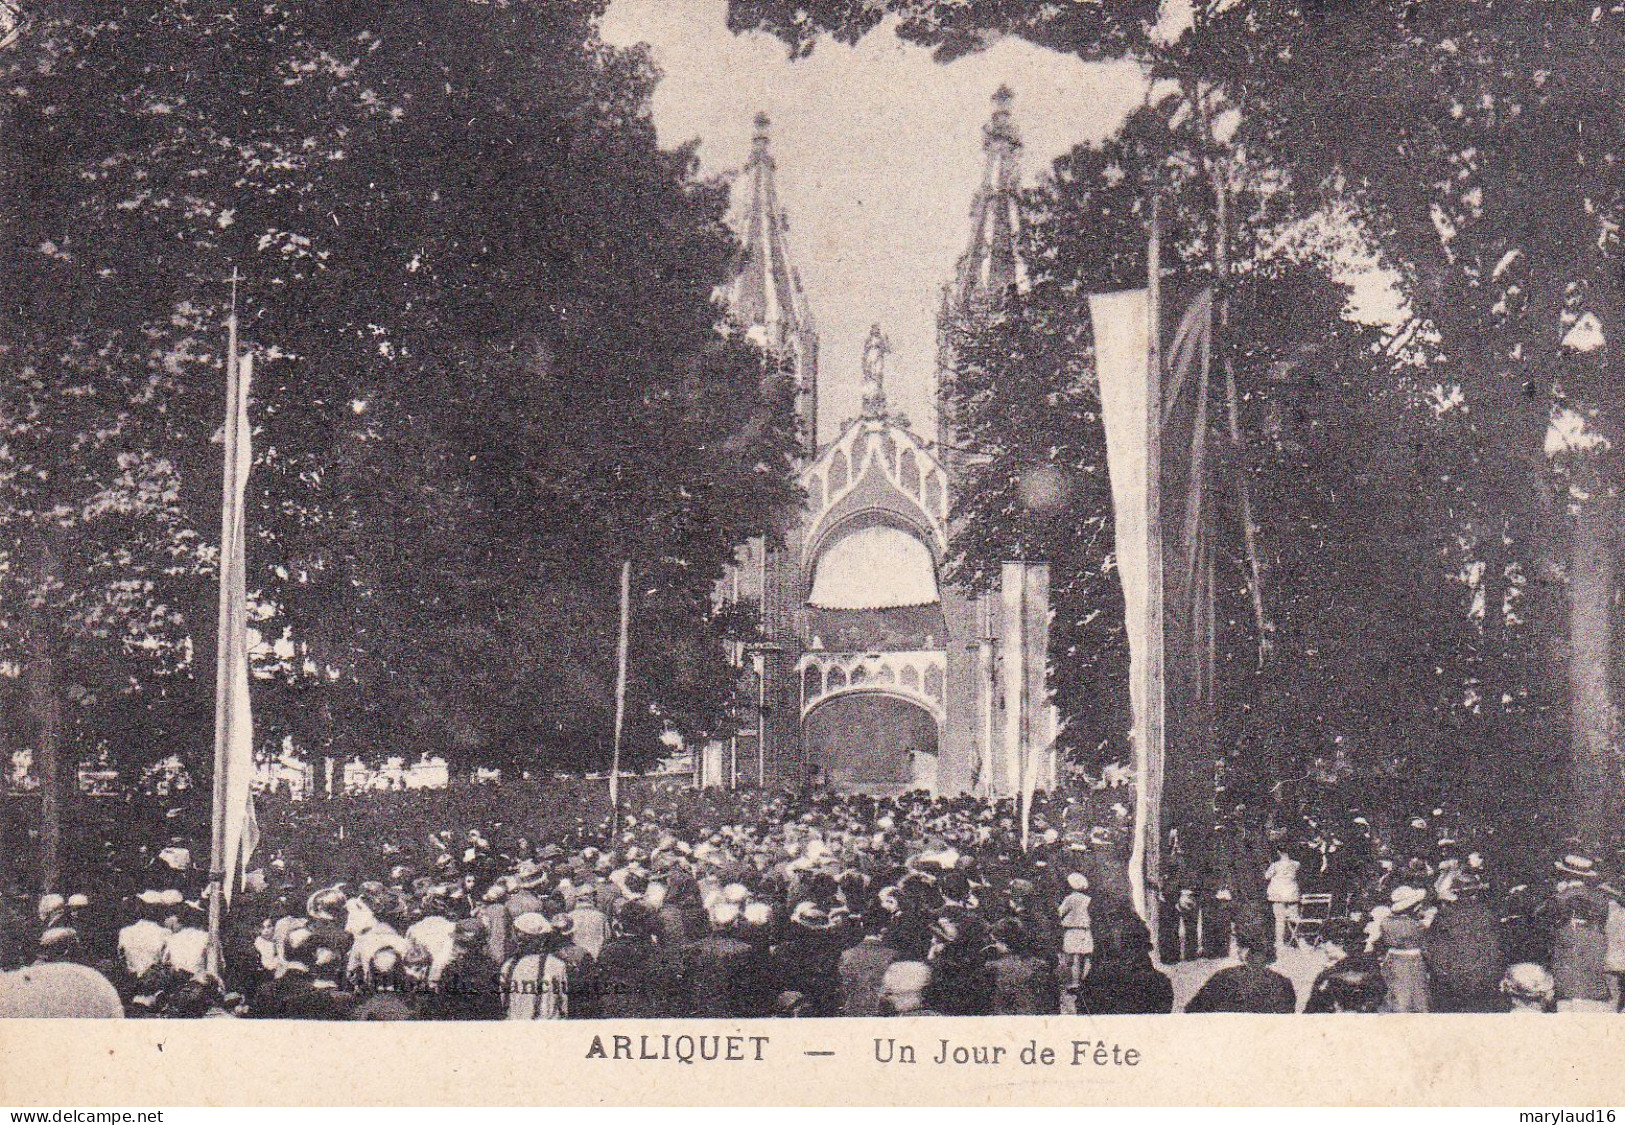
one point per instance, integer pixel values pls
(875, 350)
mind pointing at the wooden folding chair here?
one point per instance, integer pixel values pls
(1310, 924)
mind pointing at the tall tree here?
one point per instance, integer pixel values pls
(491, 366)
(1478, 155)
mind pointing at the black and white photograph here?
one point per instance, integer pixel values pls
(750, 510)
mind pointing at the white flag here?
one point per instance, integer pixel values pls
(234, 720)
(1024, 670)
(1122, 330)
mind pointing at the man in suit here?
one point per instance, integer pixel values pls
(1251, 986)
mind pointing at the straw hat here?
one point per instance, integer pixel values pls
(1579, 866)
(1528, 982)
(902, 977)
(58, 936)
(1404, 898)
(533, 924)
(326, 902)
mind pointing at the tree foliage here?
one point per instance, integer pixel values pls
(490, 367)
(1476, 160)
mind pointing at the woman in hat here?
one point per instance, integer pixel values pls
(720, 968)
(629, 987)
(141, 943)
(581, 967)
(1403, 968)
(535, 982)
(903, 989)
(1580, 954)
(1528, 989)
(809, 957)
(1463, 949)
(962, 984)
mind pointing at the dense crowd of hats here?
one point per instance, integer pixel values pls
(749, 905)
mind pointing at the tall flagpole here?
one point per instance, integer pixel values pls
(1023, 721)
(1148, 822)
(620, 698)
(228, 491)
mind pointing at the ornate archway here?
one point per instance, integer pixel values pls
(914, 676)
(876, 741)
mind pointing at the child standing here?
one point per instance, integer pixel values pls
(1078, 933)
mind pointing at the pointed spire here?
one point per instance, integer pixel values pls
(766, 294)
(990, 265)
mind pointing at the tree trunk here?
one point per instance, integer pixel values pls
(1595, 771)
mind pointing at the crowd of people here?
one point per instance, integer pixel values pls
(1425, 913)
(743, 905)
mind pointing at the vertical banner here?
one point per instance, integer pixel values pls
(1130, 408)
(1189, 541)
(620, 695)
(236, 833)
(1028, 737)
(1012, 674)
(987, 676)
(1037, 735)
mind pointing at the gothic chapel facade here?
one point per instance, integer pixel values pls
(871, 671)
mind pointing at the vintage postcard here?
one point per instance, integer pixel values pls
(675, 539)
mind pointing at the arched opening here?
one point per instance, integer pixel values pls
(812, 683)
(871, 741)
(876, 567)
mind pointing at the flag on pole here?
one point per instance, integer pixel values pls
(1191, 461)
(620, 695)
(1037, 734)
(1129, 386)
(236, 832)
(1154, 410)
(1013, 673)
(1028, 728)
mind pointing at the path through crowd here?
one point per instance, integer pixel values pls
(1299, 964)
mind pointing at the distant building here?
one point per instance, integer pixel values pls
(871, 671)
